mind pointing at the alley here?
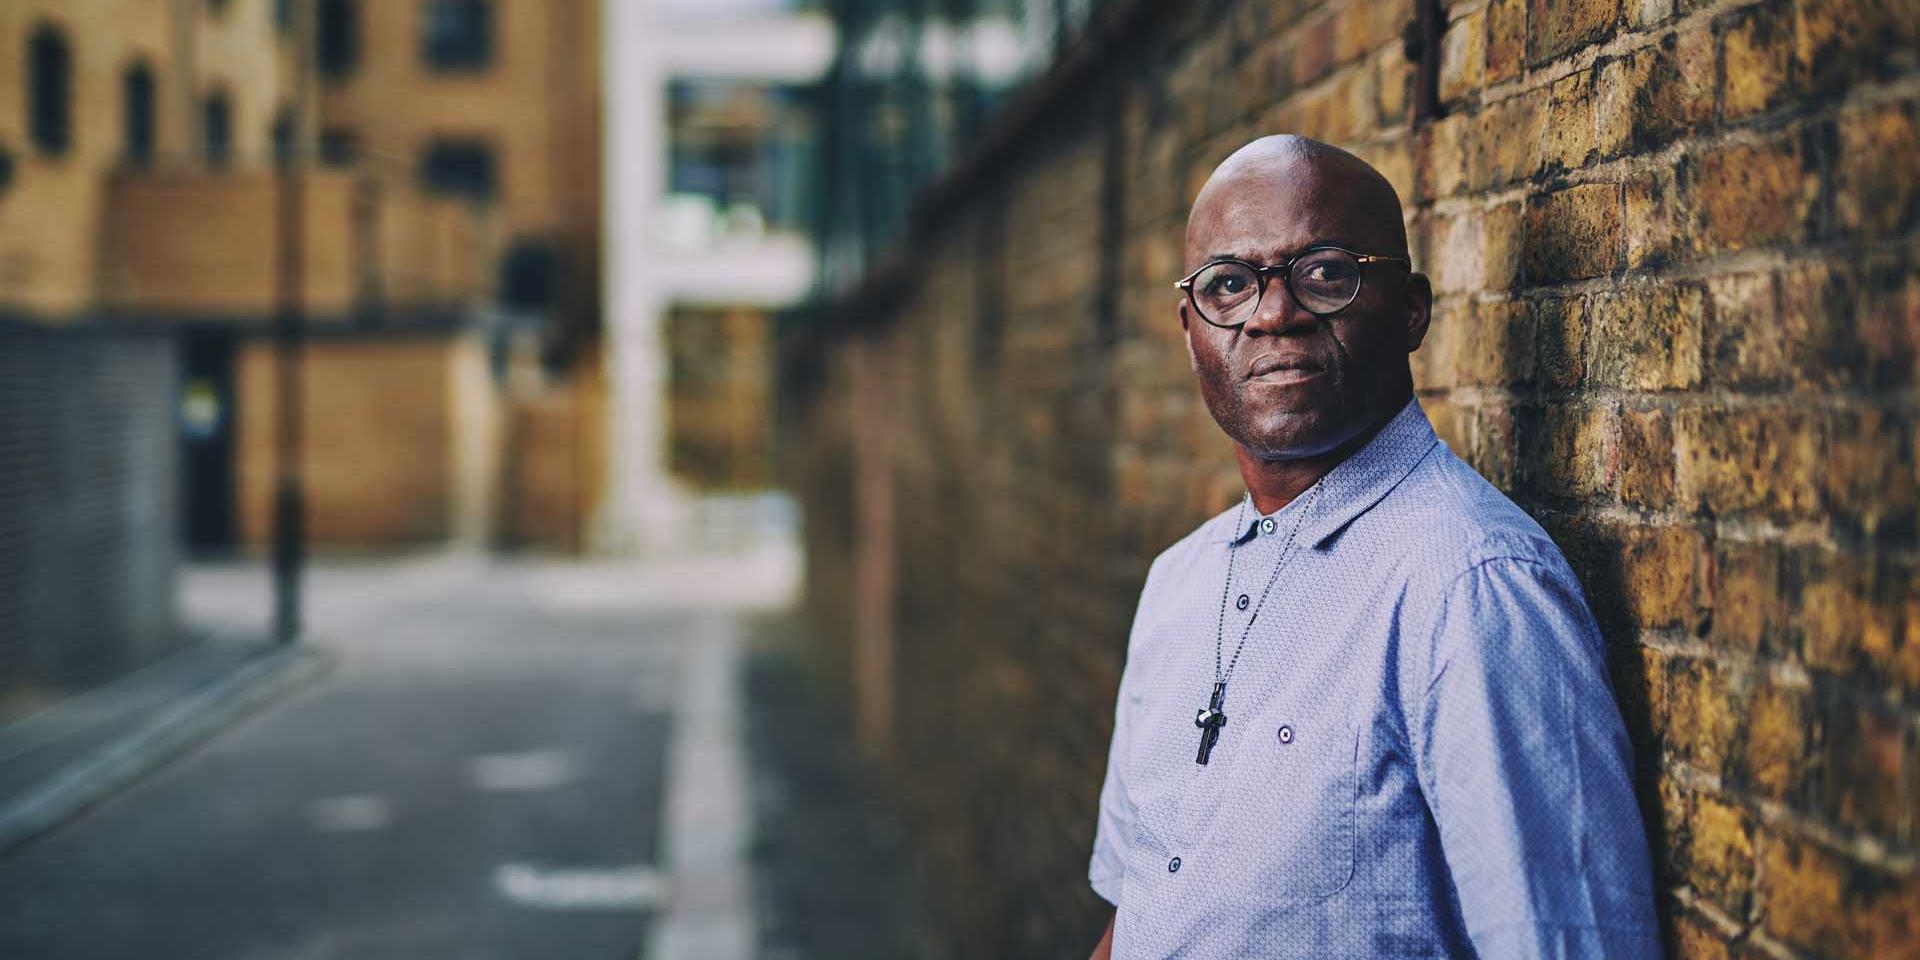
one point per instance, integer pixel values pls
(490, 770)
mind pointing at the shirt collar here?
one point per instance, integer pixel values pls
(1355, 485)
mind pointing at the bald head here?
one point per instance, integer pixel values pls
(1285, 177)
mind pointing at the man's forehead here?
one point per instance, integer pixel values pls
(1278, 204)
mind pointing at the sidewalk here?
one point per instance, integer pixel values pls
(59, 761)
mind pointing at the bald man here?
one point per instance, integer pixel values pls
(1365, 710)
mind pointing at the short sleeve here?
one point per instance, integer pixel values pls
(1526, 768)
(1114, 829)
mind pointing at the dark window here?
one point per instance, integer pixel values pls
(459, 167)
(50, 90)
(216, 130)
(283, 136)
(338, 146)
(457, 34)
(529, 275)
(337, 37)
(283, 15)
(139, 114)
(217, 6)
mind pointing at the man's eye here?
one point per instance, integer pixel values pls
(1227, 286)
(1329, 272)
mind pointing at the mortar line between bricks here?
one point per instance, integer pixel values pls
(1693, 902)
(1859, 847)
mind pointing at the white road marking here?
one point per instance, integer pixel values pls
(533, 770)
(353, 813)
(608, 888)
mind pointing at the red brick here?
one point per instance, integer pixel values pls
(1573, 233)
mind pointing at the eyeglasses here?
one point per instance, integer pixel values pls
(1322, 280)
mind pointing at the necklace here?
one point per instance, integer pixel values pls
(1212, 718)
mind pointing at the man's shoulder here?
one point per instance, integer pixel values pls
(1451, 518)
(1184, 551)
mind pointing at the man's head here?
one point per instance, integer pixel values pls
(1286, 382)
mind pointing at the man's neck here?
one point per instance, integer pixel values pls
(1275, 483)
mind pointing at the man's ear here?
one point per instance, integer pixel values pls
(1419, 309)
(1192, 361)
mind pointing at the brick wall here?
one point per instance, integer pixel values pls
(1674, 248)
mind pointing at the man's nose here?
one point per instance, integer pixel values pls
(1278, 313)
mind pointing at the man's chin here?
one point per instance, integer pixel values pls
(1295, 436)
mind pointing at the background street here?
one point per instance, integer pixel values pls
(483, 775)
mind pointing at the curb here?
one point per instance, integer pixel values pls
(176, 729)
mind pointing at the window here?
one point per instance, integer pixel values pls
(338, 146)
(138, 94)
(462, 168)
(337, 38)
(50, 90)
(283, 15)
(216, 129)
(457, 34)
(283, 136)
(529, 275)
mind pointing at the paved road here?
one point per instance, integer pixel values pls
(484, 775)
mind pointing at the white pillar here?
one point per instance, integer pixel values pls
(642, 509)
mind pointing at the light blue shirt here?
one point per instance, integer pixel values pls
(1422, 755)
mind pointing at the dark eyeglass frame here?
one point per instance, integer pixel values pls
(1285, 269)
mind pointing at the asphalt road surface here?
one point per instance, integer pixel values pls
(483, 775)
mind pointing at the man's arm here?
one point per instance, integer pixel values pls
(1526, 769)
(1104, 949)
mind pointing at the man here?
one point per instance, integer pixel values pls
(1365, 711)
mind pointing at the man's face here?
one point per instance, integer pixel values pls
(1287, 383)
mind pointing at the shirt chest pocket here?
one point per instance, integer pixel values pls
(1284, 831)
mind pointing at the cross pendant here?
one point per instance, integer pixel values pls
(1210, 721)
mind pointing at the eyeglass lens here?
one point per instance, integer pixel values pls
(1323, 281)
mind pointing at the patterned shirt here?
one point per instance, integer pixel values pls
(1422, 756)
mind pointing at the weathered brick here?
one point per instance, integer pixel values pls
(1647, 13)
(1694, 940)
(1753, 195)
(1573, 456)
(1747, 346)
(1719, 854)
(1655, 229)
(1498, 351)
(1393, 91)
(1869, 471)
(1555, 27)
(1757, 51)
(1845, 623)
(1463, 58)
(1569, 140)
(1702, 714)
(1442, 171)
(1862, 747)
(1774, 761)
(1818, 902)
(1837, 42)
(1560, 326)
(1573, 233)
(1646, 459)
(1655, 95)
(1747, 607)
(1503, 239)
(1506, 22)
(1648, 338)
(1739, 461)
(1505, 143)
(1876, 192)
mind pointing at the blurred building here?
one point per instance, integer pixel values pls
(448, 227)
(712, 172)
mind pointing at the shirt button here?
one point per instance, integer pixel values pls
(1173, 866)
(1267, 525)
(1286, 734)
(1241, 604)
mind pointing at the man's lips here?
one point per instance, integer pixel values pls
(1279, 369)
